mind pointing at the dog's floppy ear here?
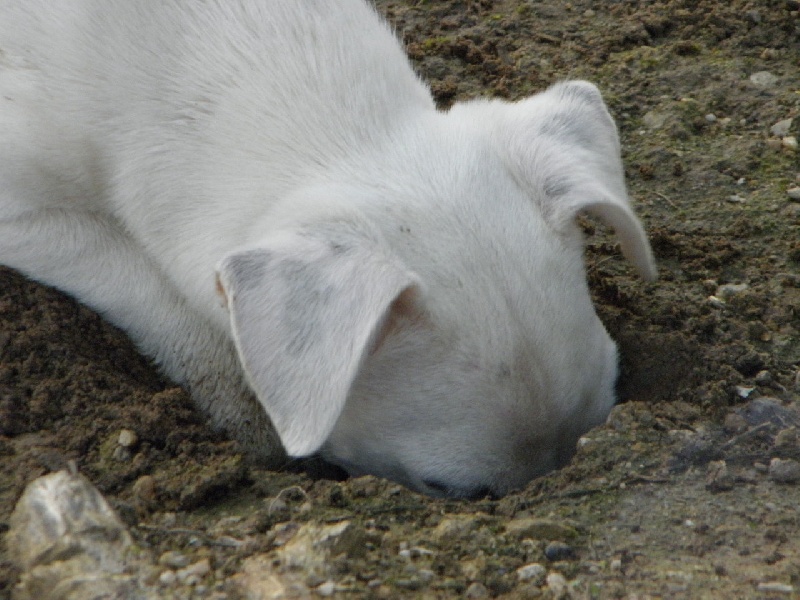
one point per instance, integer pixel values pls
(306, 305)
(564, 145)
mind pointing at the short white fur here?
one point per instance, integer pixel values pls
(263, 195)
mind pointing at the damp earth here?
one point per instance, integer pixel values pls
(689, 490)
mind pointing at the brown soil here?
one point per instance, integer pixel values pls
(683, 492)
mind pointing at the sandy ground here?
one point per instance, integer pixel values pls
(691, 489)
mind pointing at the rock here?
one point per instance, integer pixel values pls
(716, 302)
(532, 573)
(476, 590)
(781, 128)
(718, 478)
(729, 290)
(258, 579)
(312, 546)
(556, 551)
(784, 471)
(654, 120)
(793, 193)
(167, 578)
(326, 589)
(754, 16)
(454, 527)
(786, 439)
(195, 572)
(540, 529)
(768, 410)
(472, 568)
(173, 559)
(789, 143)
(127, 438)
(734, 423)
(763, 79)
(775, 587)
(557, 584)
(69, 544)
(763, 377)
(145, 488)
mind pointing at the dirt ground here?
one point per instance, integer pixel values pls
(689, 491)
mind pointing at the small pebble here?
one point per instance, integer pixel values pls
(781, 128)
(775, 587)
(426, 575)
(763, 79)
(718, 478)
(533, 572)
(654, 120)
(476, 590)
(711, 118)
(729, 290)
(763, 377)
(173, 559)
(540, 529)
(735, 199)
(557, 584)
(168, 577)
(793, 193)
(556, 551)
(789, 142)
(734, 423)
(144, 490)
(453, 528)
(774, 144)
(121, 454)
(195, 572)
(786, 438)
(784, 471)
(754, 16)
(326, 589)
(127, 438)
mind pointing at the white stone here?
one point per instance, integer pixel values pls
(531, 572)
(781, 128)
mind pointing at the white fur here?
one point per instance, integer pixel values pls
(263, 195)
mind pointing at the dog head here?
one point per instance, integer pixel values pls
(433, 324)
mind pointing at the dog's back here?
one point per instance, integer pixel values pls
(158, 80)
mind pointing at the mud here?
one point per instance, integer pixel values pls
(687, 491)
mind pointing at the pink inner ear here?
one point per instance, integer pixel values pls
(221, 291)
(405, 308)
(631, 235)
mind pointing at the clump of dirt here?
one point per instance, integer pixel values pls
(689, 490)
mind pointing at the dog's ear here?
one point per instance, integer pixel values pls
(564, 146)
(306, 306)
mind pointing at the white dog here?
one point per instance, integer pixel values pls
(264, 196)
